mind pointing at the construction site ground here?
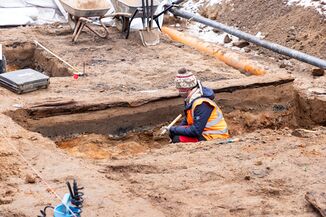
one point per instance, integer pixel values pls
(266, 173)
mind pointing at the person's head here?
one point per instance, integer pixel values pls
(185, 81)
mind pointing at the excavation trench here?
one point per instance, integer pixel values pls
(22, 55)
(123, 129)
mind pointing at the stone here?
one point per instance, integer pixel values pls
(33, 138)
(317, 90)
(247, 49)
(318, 72)
(317, 200)
(227, 39)
(260, 173)
(247, 178)
(16, 137)
(216, 31)
(285, 64)
(4, 201)
(241, 44)
(282, 65)
(303, 133)
(30, 179)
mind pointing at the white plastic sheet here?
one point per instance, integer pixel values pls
(12, 4)
(27, 3)
(28, 12)
(43, 4)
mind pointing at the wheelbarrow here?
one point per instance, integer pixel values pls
(80, 12)
(127, 10)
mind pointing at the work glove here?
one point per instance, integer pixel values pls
(165, 130)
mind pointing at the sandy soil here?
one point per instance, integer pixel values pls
(267, 173)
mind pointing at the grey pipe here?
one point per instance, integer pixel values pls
(263, 43)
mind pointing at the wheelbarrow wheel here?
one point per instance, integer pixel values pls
(121, 23)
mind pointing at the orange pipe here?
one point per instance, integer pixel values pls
(240, 64)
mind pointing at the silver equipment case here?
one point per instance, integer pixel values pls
(25, 80)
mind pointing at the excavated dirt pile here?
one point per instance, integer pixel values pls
(303, 29)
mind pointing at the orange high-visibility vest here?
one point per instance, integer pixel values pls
(216, 126)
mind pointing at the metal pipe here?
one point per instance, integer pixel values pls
(250, 38)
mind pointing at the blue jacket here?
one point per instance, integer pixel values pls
(201, 116)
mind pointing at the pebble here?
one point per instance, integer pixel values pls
(216, 31)
(31, 179)
(247, 178)
(241, 44)
(247, 49)
(318, 72)
(33, 138)
(260, 173)
(227, 39)
(5, 201)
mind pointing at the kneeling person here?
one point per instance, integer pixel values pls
(204, 119)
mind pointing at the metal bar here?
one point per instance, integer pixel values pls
(168, 7)
(131, 19)
(0, 52)
(147, 14)
(250, 38)
(2, 61)
(152, 12)
(143, 15)
(82, 25)
(106, 31)
(158, 24)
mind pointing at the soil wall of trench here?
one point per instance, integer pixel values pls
(22, 55)
(247, 106)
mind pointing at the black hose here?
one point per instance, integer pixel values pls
(43, 212)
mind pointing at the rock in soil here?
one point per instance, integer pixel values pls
(227, 39)
(318, 72)
(241, 44)
(31, 179)
(303, 133)
(318, 201)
